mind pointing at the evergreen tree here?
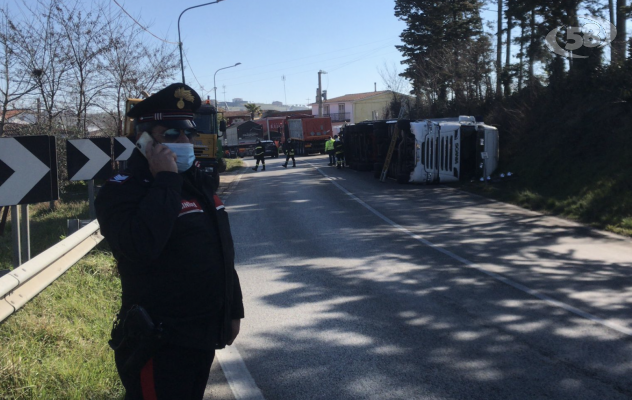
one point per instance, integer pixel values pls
(437, 34)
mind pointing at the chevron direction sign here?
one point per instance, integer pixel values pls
(28, 170)
(89, 159)
(123, 148)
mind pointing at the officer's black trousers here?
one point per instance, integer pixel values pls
(174, 373)
(287, 159)
(262, 159)
(332, 156)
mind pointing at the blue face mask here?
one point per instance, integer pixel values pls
(184, 153)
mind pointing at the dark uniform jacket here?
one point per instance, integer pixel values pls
(339, 147)
(288, 148)
(259, 152)
(172, 240)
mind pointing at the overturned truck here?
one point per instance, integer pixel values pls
(425, 151)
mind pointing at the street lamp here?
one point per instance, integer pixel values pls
(215, 86)
(180, 41)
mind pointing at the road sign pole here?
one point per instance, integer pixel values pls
(15, 233)
(25, 232)
(93, 211)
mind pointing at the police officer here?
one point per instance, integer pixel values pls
(340, 154)
(259, 156)
(329, 148)
(169, 232)
(288, 149)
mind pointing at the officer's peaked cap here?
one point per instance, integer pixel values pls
(172, 106)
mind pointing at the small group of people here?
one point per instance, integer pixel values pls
(335, 149)
(288, 149)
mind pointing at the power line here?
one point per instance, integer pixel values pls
(138, 23)
(363, 55)
(196, 79)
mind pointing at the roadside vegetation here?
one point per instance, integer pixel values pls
(55, 347)
(564, 123)
(233, 164)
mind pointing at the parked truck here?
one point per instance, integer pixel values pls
(425, 151)
(309, 132)
(241, 138)
(272, 128)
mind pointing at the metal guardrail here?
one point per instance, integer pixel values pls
(29, 279)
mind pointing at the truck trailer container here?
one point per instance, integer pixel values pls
(310, 133)
(426, 151)
(242, 137)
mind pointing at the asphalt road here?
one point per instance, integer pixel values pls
(357, 289)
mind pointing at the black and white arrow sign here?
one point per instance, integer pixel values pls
(123, 148)
(89, 159)
(28, 170)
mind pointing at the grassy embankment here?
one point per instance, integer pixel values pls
(572, 157)
(56, 346)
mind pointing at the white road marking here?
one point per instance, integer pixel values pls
(235, 371)
(237, 375)
(519, 286)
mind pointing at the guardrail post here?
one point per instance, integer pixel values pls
(15, 234)
(93, 211)
(25, 232)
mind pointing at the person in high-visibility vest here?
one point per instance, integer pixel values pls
(288, 149)
(259, 156)
(329, 149)
(340, 153)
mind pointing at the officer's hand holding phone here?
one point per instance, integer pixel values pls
(160, 157)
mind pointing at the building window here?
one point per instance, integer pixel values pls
(326, 109)
(341, 108)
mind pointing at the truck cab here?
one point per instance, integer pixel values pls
(208, 150)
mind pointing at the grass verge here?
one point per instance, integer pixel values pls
(55, 347)
(233, 164)
(603, 206)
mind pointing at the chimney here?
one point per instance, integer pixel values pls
(375, 86)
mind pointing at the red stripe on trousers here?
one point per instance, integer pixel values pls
(147, 381)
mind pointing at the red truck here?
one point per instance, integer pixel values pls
(272, 127)
(310, 133)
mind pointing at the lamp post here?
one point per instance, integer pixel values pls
(180, 41)
(215, 86)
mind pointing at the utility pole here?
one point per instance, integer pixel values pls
(284, 94)
(320, 94)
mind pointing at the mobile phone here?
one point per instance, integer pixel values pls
(143, 141)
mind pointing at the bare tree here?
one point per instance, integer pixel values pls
(132, 67)
(397, 84)
(85, 35)
(48, 54)
(16, 80)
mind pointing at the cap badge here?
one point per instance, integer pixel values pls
(183, 94)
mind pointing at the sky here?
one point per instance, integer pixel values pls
(349, 39)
